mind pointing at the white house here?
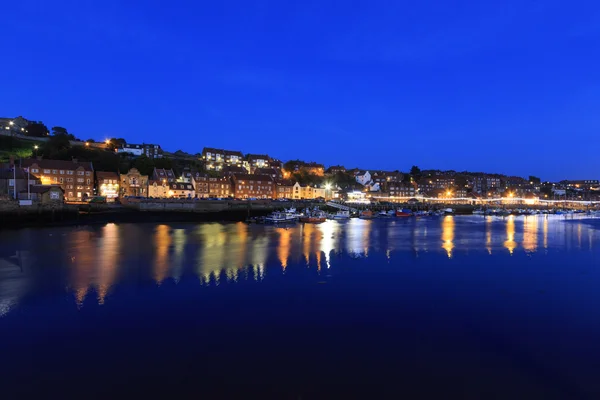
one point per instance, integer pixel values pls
(363, 177)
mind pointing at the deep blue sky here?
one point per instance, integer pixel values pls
(511, 88)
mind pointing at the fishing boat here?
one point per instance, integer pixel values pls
(366, 214)
(448, 211)
(421, 213)
(340, 215)
(315, 216)
(384, 214)
(479, 211)
(279, 217)
(405, 212)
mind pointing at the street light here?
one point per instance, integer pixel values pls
(11, 123)
(35, 148)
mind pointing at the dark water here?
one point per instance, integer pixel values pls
(455, 307)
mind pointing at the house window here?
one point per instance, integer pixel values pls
(70, 194)
(54, 171)
(79, 194)
(69, 179)
(80, 173)
(11, 182)
(88, 173)
(35, 170)
(80, 180)
(69, 172)
(62, 172)
(87, 181)
(46, 171)
(55, 179)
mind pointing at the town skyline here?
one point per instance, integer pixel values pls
(7, 123)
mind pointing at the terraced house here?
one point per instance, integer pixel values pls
(75, 178)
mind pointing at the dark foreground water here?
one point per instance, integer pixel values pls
(454, 307)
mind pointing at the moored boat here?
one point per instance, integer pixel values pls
(279, 217)
(405, 212)
(340, 215)
(313, 216)
(366, 214)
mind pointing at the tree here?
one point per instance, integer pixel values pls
(115, 143)
(534, 179)
(163, 162)
(91, 141)
(144, 164)
(37, 130)
(415, 171)
(57, 143)
(58, 130)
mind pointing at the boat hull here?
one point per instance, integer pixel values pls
(312, 220)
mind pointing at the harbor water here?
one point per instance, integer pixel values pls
(432, 307)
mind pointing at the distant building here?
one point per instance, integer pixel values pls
(258, 161)
(484, 183)
(230, 170)
(133, 183)
(216, 159)
(253, 186)
(363, 177)
(150, 150)
(74, 177)
(276, 174)
(107, 185)
(16, 125)
(336, 169)
(399, 189)
(162, 174)
(584, 184)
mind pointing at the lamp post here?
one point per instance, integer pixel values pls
(35, 148)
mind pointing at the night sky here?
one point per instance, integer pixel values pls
(467, 85)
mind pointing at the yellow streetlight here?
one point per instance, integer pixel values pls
(11, 123)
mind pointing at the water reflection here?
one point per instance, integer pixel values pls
(510, 243)
(91, 258)
(530, 233)
(162, 242)
(108, 252)
(284, 247)
(448, 234)
(488, 233)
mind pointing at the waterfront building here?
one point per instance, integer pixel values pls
(74, 177)
(307, 192)
(14, 178)
(44, 194)
(253, 186)
(158, 189)
(284, 189)
(133, 183)
(181, 190)
(107, 185)
(399, 189)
